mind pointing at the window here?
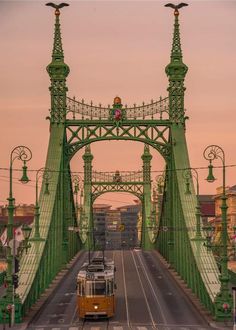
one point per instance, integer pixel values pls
(81, 288)
(99, 288)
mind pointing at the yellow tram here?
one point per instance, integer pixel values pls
(95, 289)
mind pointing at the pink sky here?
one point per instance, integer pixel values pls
(117, 48)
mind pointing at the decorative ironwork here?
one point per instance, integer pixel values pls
(213, 152)
(132, 188)
(223, 300)
(80, 133)
(45, 174)
(21, 153)
(111, 177)
(154, 110)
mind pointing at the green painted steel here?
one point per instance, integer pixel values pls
(190, 257)
(136, 183)
(2, 277)
(74, 125)
(130, 182)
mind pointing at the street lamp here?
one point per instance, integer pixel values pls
(45, 174)
(188, 174)
(234, 241)
(160, 182)
(23, 154)
(223, 300)
(76, 183)
(160, 179)
(208, 232)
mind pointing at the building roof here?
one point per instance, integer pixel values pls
(207, 210)
(18, 220)
(101, 206)
(206, 198)
(207, 205)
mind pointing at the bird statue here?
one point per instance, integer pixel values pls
(57, 7)
(176, 7)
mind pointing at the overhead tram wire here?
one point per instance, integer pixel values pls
(126, 171)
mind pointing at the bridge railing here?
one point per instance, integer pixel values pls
(117, 176)
(153, 110)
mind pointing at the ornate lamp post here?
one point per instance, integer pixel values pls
(234, 241)
(223, 300)
(208, 232)
(188, 174)
(23, 154)
(45, 174)
(160, 181)
(76, 183)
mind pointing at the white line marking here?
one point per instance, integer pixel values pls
(125, 289)
(74, 314)
(145, 297)
(153, 291)
(118, 328)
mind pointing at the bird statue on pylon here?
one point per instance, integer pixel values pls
(176, 7)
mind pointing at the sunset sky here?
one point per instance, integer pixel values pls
(117, 48)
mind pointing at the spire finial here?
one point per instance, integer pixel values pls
(146, 156)
(58, 70)
(87, 149)
(176, 52)
(87, 153)
(146, 149)
(176, 71)
(57, 53)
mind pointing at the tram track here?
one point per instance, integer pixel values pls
(153, 291)
(144, 293)
(93, 324)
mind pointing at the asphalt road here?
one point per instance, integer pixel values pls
(146, 298)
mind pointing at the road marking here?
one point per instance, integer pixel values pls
(118, 328)
(56, 328)
(144, 293)
(141, 328)
(153, 291)
(95, 328)
(73, 328)
(39, 329)
(125, 289)
(61, 320)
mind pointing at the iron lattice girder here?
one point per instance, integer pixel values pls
(153, 132)
(135, 188)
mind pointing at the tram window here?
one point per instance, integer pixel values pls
(88, 288)
(109, 288)
(100, 288)
(82, 293)
(80, 288)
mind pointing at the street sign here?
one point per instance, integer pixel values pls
(75, 229)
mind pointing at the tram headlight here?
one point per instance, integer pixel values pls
(96, 307)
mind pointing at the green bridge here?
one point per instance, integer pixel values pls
(160, 126)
